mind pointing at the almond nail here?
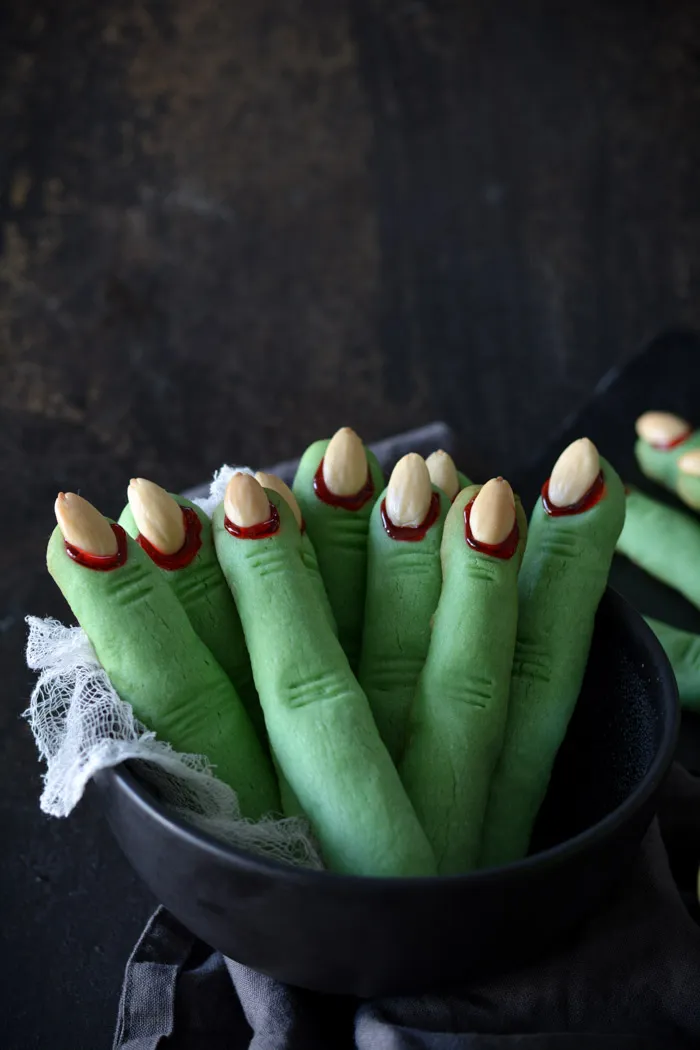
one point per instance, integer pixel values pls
(573, 473)
(83, 526)
(245, 501)
(443, 473)
(345, 463)
(409, 492)
(689, 463)
(157, 515)
(271, 481)
(492, 516)
(661, 428)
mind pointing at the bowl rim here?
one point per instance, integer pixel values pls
(128, 784)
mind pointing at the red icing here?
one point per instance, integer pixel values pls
(255, 532)
(354, 502)
(666, 446)
(104, 562)
(188, 550)
(588, 500)
(504, 550)
(407, 532)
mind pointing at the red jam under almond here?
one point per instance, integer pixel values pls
(101, 562)
(588, 500)
(504, 550)
(188, 550)
(255, 532)
(408, 533)
(355, 501)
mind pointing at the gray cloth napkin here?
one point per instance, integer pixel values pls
(629, 979)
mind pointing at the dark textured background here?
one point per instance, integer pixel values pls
(229, 227)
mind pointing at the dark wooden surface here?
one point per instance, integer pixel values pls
(229, 227)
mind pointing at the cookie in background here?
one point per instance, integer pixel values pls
(668, 451)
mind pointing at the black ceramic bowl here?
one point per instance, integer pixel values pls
(337, 933)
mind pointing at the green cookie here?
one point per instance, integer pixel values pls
(339, 538)
(403, 587)
(683, 651)
(156, 663)
(562, 579)
(458, 717)
(663, 541)
(318, 719)
(201, 589)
